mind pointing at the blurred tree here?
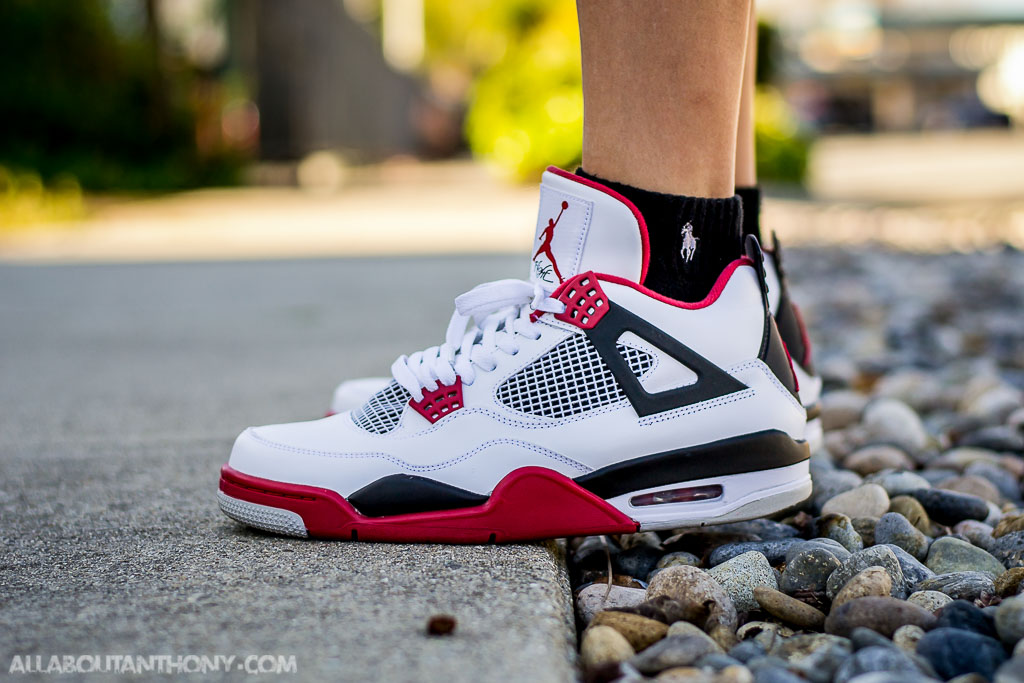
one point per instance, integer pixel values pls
(77, 98)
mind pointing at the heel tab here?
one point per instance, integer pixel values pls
(753, 251)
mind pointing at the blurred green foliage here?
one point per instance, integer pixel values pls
(79, 100)
(24, 200)
(526, 99)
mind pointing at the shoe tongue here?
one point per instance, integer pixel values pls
(584, 226)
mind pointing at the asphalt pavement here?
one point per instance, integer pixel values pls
(122, 388)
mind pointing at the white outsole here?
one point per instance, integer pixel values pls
(744, 496)
(263, 517)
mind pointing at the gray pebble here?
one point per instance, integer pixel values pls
(898, 483)
(808, 570)
(894, 528)
(1010, 620)
(948, 555)
(948, 507)
(740, 575)
(871, 659)
(960, 585)
(669, 652)
(876, 556)
(775, 551)
(929, 600)
(1009, 549)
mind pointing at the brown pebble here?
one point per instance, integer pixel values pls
(1008, 583)
(912, 509)
(789, 610)
(639, 631)
(880, 614)
(873, 581)
(1008, 525)
(441, 625)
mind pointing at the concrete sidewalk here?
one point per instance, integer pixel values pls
(122, 390)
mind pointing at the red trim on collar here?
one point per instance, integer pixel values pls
(646, 248)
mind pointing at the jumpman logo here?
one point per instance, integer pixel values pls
(689, 243)
(545, 248)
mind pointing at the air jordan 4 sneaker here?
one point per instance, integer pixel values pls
(575, 403)
(353, 393)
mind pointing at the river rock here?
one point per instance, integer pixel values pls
(602, 645)
(929, 600)
(881, 614)
(789, 610)
(839, 528)
(896, 529)
(876, 556)
(954, 652)
(1009, 549)
(698, 593)
(973, 485)
(1006, 483)
(948, 555)
(829, 483)
(591, 599)
(840, 409)
(636, 561)
(1008, 583)
(740, 575)
(672, 651)
(948, 507)
(960, 458)
(1008, 525)
(898, 483)
(1012, 671)
(1009, 621)
(912, 509)
(895, 422)
(871, 459)
(678, 558)
(960, 585)
(978, 533)
(685, 628)
(841, 553)
(906, 637)
(867, 500)
(775, 550)
(967, 616)
(639, 631)
(808, 570)
(871, 581)
(913, 571)
(871, 659)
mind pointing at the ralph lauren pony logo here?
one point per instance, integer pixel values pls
(544, 272)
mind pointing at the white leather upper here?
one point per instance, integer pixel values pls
(596, 232)
(475, 446)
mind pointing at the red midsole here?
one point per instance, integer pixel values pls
(529, 503)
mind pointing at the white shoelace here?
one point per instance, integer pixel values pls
(500, 311)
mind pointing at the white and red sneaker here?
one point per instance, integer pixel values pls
(353, 393)
(577, 403)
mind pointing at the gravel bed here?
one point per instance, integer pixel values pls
(907, 562)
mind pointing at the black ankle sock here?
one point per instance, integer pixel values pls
(751, 198)
(716, 225)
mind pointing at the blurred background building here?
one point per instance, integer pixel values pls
(130, 96)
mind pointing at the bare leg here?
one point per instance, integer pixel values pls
(661, 92)
(746, 167)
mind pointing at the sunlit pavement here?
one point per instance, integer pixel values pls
(123, 388)
(933, 193)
